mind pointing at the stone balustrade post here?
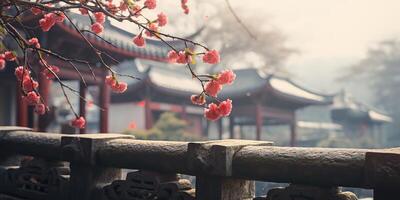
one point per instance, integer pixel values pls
(382, 169)
(86, 177)
(212, 162)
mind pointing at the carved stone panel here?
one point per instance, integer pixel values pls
(141, 185)
(34, 179)
(302, 192)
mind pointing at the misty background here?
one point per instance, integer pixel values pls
(324, 38)
(328, 46)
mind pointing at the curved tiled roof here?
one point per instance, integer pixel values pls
(378, 117)
(155, 49)
(343, 101)
(251, 80)
(247, 81)
(176, 79)
(289, 88)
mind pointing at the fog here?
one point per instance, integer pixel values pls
(329, 35)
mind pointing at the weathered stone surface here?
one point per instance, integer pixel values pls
(13, 128)
(309, 192)
(35, 179)
(144, 185)
(311, 166)
(382, 168)
(81, 151)
(162, 156)
(82, 148)
(215, 157)
(25, 142)
(212, 162)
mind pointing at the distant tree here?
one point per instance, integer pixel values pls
(246, 41)
(380, 72)
(167, 127)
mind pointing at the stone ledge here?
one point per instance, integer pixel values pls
(215, 157)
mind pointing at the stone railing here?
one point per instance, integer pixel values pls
(83, 167)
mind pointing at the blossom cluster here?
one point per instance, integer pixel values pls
(212, 88)
(4, 57)
(116, 86)
(29, 89)
(24, 78)
(79, 122)
(185, 6)
(29, 85)
(49, 19)
(151, 28)
(214, 111)
(187, 56)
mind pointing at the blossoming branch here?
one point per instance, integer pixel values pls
(50, 12)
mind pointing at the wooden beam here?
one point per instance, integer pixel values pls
(67, 71)
(22, 108)
(44, 89)
(184, 113)
(104, 103)
(82, 103)
(148, 115)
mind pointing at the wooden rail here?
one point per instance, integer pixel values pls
(224, 169)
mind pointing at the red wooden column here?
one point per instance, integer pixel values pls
(184, 112)
(148, 115)
(293, 131)
(259, 121)
(104, 104)
(22, 108)
(44, 90)
(82, 103)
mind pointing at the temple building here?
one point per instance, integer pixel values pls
(259, 100)
(63, 39)
(356, 118)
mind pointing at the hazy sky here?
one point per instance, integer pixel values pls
(330, 34)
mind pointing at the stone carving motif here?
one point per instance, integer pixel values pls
(34, 179)
(301, 192)
(141, 185)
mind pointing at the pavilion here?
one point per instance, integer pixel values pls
(259, 99)
(356, 118)
(64, 40)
